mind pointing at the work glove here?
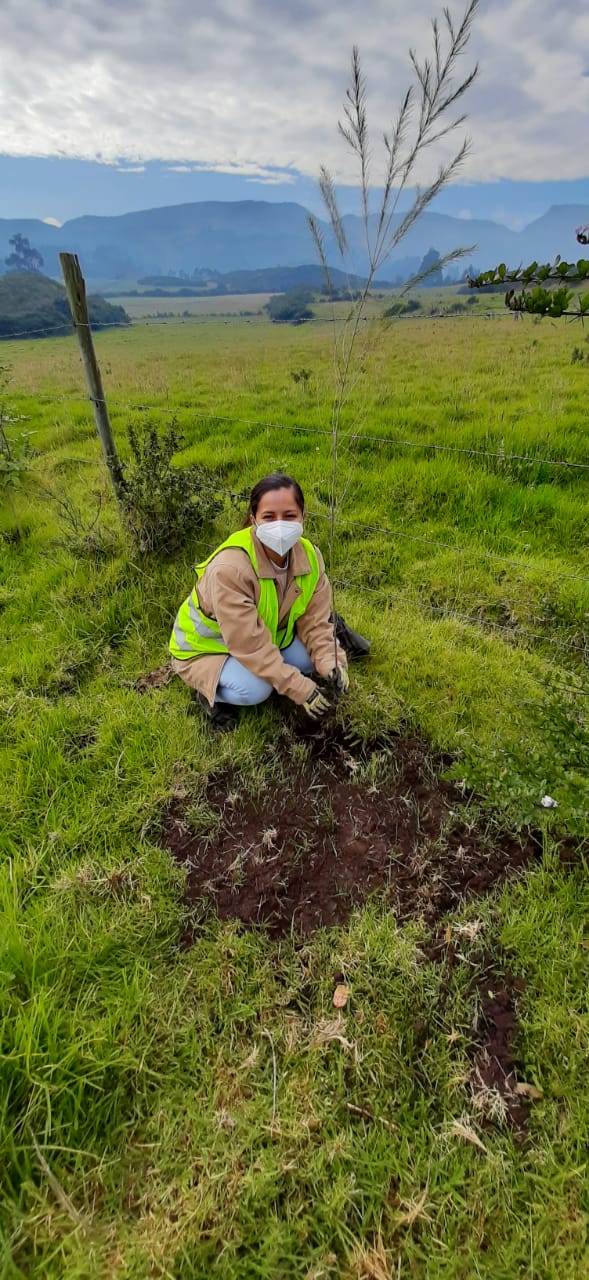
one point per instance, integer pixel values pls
(340, 678)
(316, 705)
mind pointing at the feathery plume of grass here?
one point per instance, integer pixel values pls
(424, 117)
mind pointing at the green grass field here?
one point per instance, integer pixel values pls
(231, 304)
(140, 306)
(194, 1112)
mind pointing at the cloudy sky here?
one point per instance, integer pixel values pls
(107, 106)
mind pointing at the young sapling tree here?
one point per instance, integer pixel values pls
(425, 117)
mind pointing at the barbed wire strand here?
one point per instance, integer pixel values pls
(484, 555)
(66, 329)
(441, 611)
(151, 319)
(452, 546)
(453, 615)
(409, 537)
(468, 619)
(471, 553)
(462, 617)
(357, 437)
(520, 564)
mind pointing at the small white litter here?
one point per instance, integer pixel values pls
(547, 802)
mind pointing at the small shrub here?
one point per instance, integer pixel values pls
(84, 537)
(14, 453)
(14, 460)
(396, 309)
(290, 308)
(301, 375)
(402, 308)
(165, 505)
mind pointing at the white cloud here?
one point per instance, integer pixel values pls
(464, 214)
(249, 87)
(52, 222)
(131, 168)
(273, 180)
(249, 170)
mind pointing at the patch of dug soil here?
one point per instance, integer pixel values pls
(497, 1094)
(495, 1088)
(156, 679)
(330, 829)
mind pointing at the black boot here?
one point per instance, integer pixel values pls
(354, 645)
(221, 716)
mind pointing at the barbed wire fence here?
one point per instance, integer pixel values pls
(511, 632)
(142, 406)
(221, 317)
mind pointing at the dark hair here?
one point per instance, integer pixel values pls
(268, 485)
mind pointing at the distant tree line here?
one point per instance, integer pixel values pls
(211, 283)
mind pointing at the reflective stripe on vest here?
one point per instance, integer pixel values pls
(181, 638)
(194, 634)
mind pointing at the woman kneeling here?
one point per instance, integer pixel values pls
(259, 617)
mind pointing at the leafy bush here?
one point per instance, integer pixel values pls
(543, 302)
(14, 453)
(14, 461)
(301, 376)
(165, 505)
(402, 308)
(396, 309)
(290, 308)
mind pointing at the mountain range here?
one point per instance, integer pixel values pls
(254, 234)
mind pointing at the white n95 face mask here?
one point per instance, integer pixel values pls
(279, 535)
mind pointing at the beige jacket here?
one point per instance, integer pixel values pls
(229, 591)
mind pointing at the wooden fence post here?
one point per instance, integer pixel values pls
(76, 292)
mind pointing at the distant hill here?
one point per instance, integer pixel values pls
(30, 303)
(555, 227)
(250, 235)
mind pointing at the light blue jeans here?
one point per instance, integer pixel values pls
(240, 688)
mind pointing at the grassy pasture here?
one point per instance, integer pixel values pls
(141, 306)
(185, 1113)
(229, 304)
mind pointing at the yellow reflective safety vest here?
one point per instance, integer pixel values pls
(195, 635)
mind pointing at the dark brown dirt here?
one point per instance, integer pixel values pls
(498, 1096)
(494, 1082)
(334, 827)
(156, 679)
